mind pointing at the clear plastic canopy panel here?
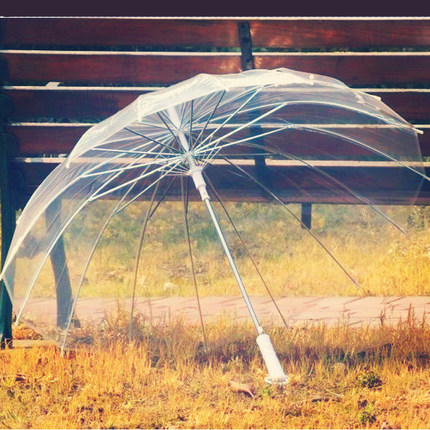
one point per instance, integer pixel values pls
(267, 140)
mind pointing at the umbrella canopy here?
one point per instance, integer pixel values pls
(261, 135)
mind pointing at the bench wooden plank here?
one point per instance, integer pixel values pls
(413, 105)
(119, 68)
(41, 102)
(356, 69)
(51, 138)
(46, 139)
(294, 184)
(320, 33)
(99, 102)
(119, 31)
(155, 68)
(291, 32)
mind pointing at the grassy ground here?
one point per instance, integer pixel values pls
(381, 259)
(340, 377)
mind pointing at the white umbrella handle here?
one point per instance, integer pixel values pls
(276, 372)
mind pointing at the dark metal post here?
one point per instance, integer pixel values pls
(307, 215)
(245, 41)
(247, 58)
(60, 269)
(8, 220)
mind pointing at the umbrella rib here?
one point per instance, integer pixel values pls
(190, 138)
(377, 151)
(72, 182)
(336, 181)
(151, 139)
(211, 116)
(280, 106)
(304, 226)
(141, 192)
(392, 120)
(114, 177)
(228, 117)
(81, 206)
(105, 162)
(133, 165)
(144, 175)
(139, 250)
(405, 126)
(125, 151)
(36, 275)
(151, 213)
(319, 170)
(247, 250)
(81, 281)
(236, 142)
(184, 192)
(105, 184)
(168, 128)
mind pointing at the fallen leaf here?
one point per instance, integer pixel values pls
(238, 387)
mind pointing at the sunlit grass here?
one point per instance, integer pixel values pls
(398, 268)
(382, 260)
(340, 377)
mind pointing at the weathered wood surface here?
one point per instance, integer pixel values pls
(102, 64)
(341, 33)
(119, 32)
(144, 68)
(112, 68)
(101, 102)
(379, 183)
(280, 33)
(60, 138)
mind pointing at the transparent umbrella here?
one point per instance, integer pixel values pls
(237, 151)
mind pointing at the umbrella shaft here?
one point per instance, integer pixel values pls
(196, 173)
(233, 265)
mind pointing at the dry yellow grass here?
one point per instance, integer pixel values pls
(382, 261)
(379, 257)
(341, 377)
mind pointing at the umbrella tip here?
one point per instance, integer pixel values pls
(277, 381)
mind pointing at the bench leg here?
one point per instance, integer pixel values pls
(61, 271)
(306, 215)
(5, 318)
(8, 221)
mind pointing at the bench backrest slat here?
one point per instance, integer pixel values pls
(117, 32)
(294, 33)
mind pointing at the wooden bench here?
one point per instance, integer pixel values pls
(62, 75)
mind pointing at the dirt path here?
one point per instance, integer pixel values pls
(296, 310)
